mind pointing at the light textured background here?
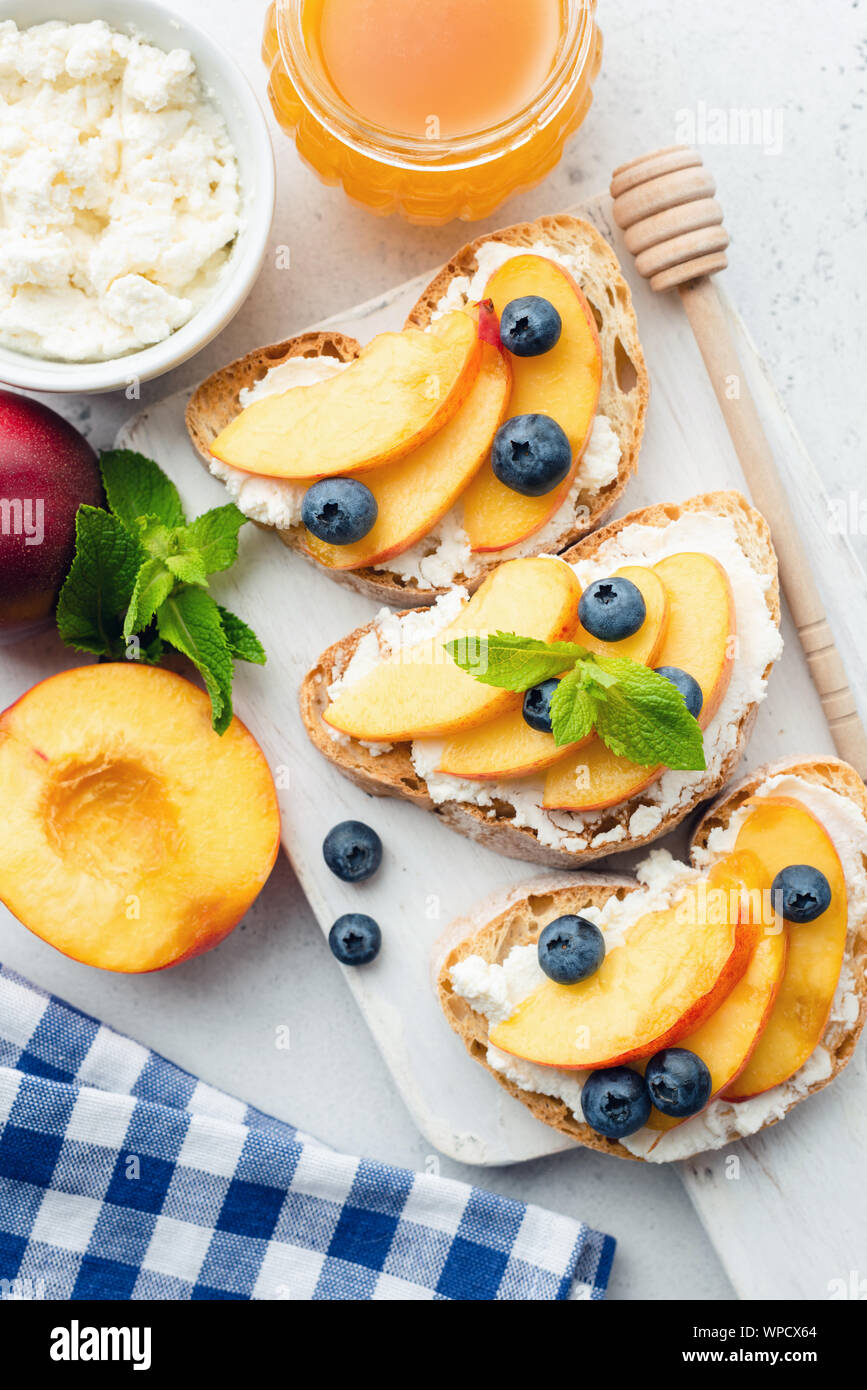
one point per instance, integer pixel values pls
(797, 277)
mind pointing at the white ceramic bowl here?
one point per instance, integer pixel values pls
(248, 132)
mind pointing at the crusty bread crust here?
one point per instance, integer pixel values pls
(516, 918)
(393, 774)
(623, 396)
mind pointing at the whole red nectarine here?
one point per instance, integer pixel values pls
(46, 470)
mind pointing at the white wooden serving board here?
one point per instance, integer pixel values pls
(800, 1183)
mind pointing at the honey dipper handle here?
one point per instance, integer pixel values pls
(710, 327)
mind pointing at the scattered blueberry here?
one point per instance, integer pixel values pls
(615, 1101)
(800, 893)
(571, 949)
(352, 851)
(687, 685)
(532, 454)
(537, 706)
(679, 1082)
(612, 609)
(339, 510)
(355, 939)
(530, 326)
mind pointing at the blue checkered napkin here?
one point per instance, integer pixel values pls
(122, 1176)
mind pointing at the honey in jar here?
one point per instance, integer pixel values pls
(434, 108)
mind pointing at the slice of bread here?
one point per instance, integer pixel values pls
(623, 396)
(393, 774)
(516, 918)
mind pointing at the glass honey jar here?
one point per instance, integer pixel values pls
(431, 108)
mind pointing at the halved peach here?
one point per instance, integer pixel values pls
(507, 746)
(780, 831)
(413, 494)
(563, 383)
(400, 390)
(419, 692)
(730, 1036)
(672, 972)
(134, 836)
(698, 639)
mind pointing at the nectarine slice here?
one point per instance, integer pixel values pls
(400, 390)
(698, 638)
(416, 492)
(563, 383)
(419, 692)
(507, 746)
(780, 832)
(671, 973)
(729, 1038)
(134, 836)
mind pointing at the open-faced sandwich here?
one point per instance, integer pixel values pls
(658, 1018)
(574, 705)
(504, 420)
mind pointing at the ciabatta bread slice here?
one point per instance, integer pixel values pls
(516, 918)
(623, 396)
(392, 773)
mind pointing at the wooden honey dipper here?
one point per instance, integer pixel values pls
(673, 226)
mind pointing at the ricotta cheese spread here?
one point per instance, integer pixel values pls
(444, 555)
(496, 990)
(121, 198)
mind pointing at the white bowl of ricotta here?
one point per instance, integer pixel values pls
(138, 192)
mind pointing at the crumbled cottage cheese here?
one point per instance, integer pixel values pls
(120, 191)
(496, 990)
(443, 556)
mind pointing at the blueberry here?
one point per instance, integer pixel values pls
(532, 455)
(530, 326)
(615, 1101)
(800, 893)
(352, 851)
(687, 685)
(339, 510)
(612, 609)
(537, 706)
(355, 939)
(679, 1082)
(571, 949)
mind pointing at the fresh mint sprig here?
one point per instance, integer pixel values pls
(139, 579)
(637, 714)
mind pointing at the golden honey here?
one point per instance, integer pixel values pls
(432, 108)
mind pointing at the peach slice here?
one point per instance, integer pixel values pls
(730, 1036)
(672, 972)
(134, 836)
(563, 383)
(400, 390)
(507, 746)
(780, 831)
(419, 692)
(416, 492)
(698, 639)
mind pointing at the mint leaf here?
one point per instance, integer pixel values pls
(188, 568)
(573, 709)
(153, 585)
(157, 538)
(243, 642)
(644, 718)
(510, 662)
(136, 486)
(99, 584)
(214, 535)
(190, 621)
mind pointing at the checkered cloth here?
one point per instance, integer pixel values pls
(122, 1176)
